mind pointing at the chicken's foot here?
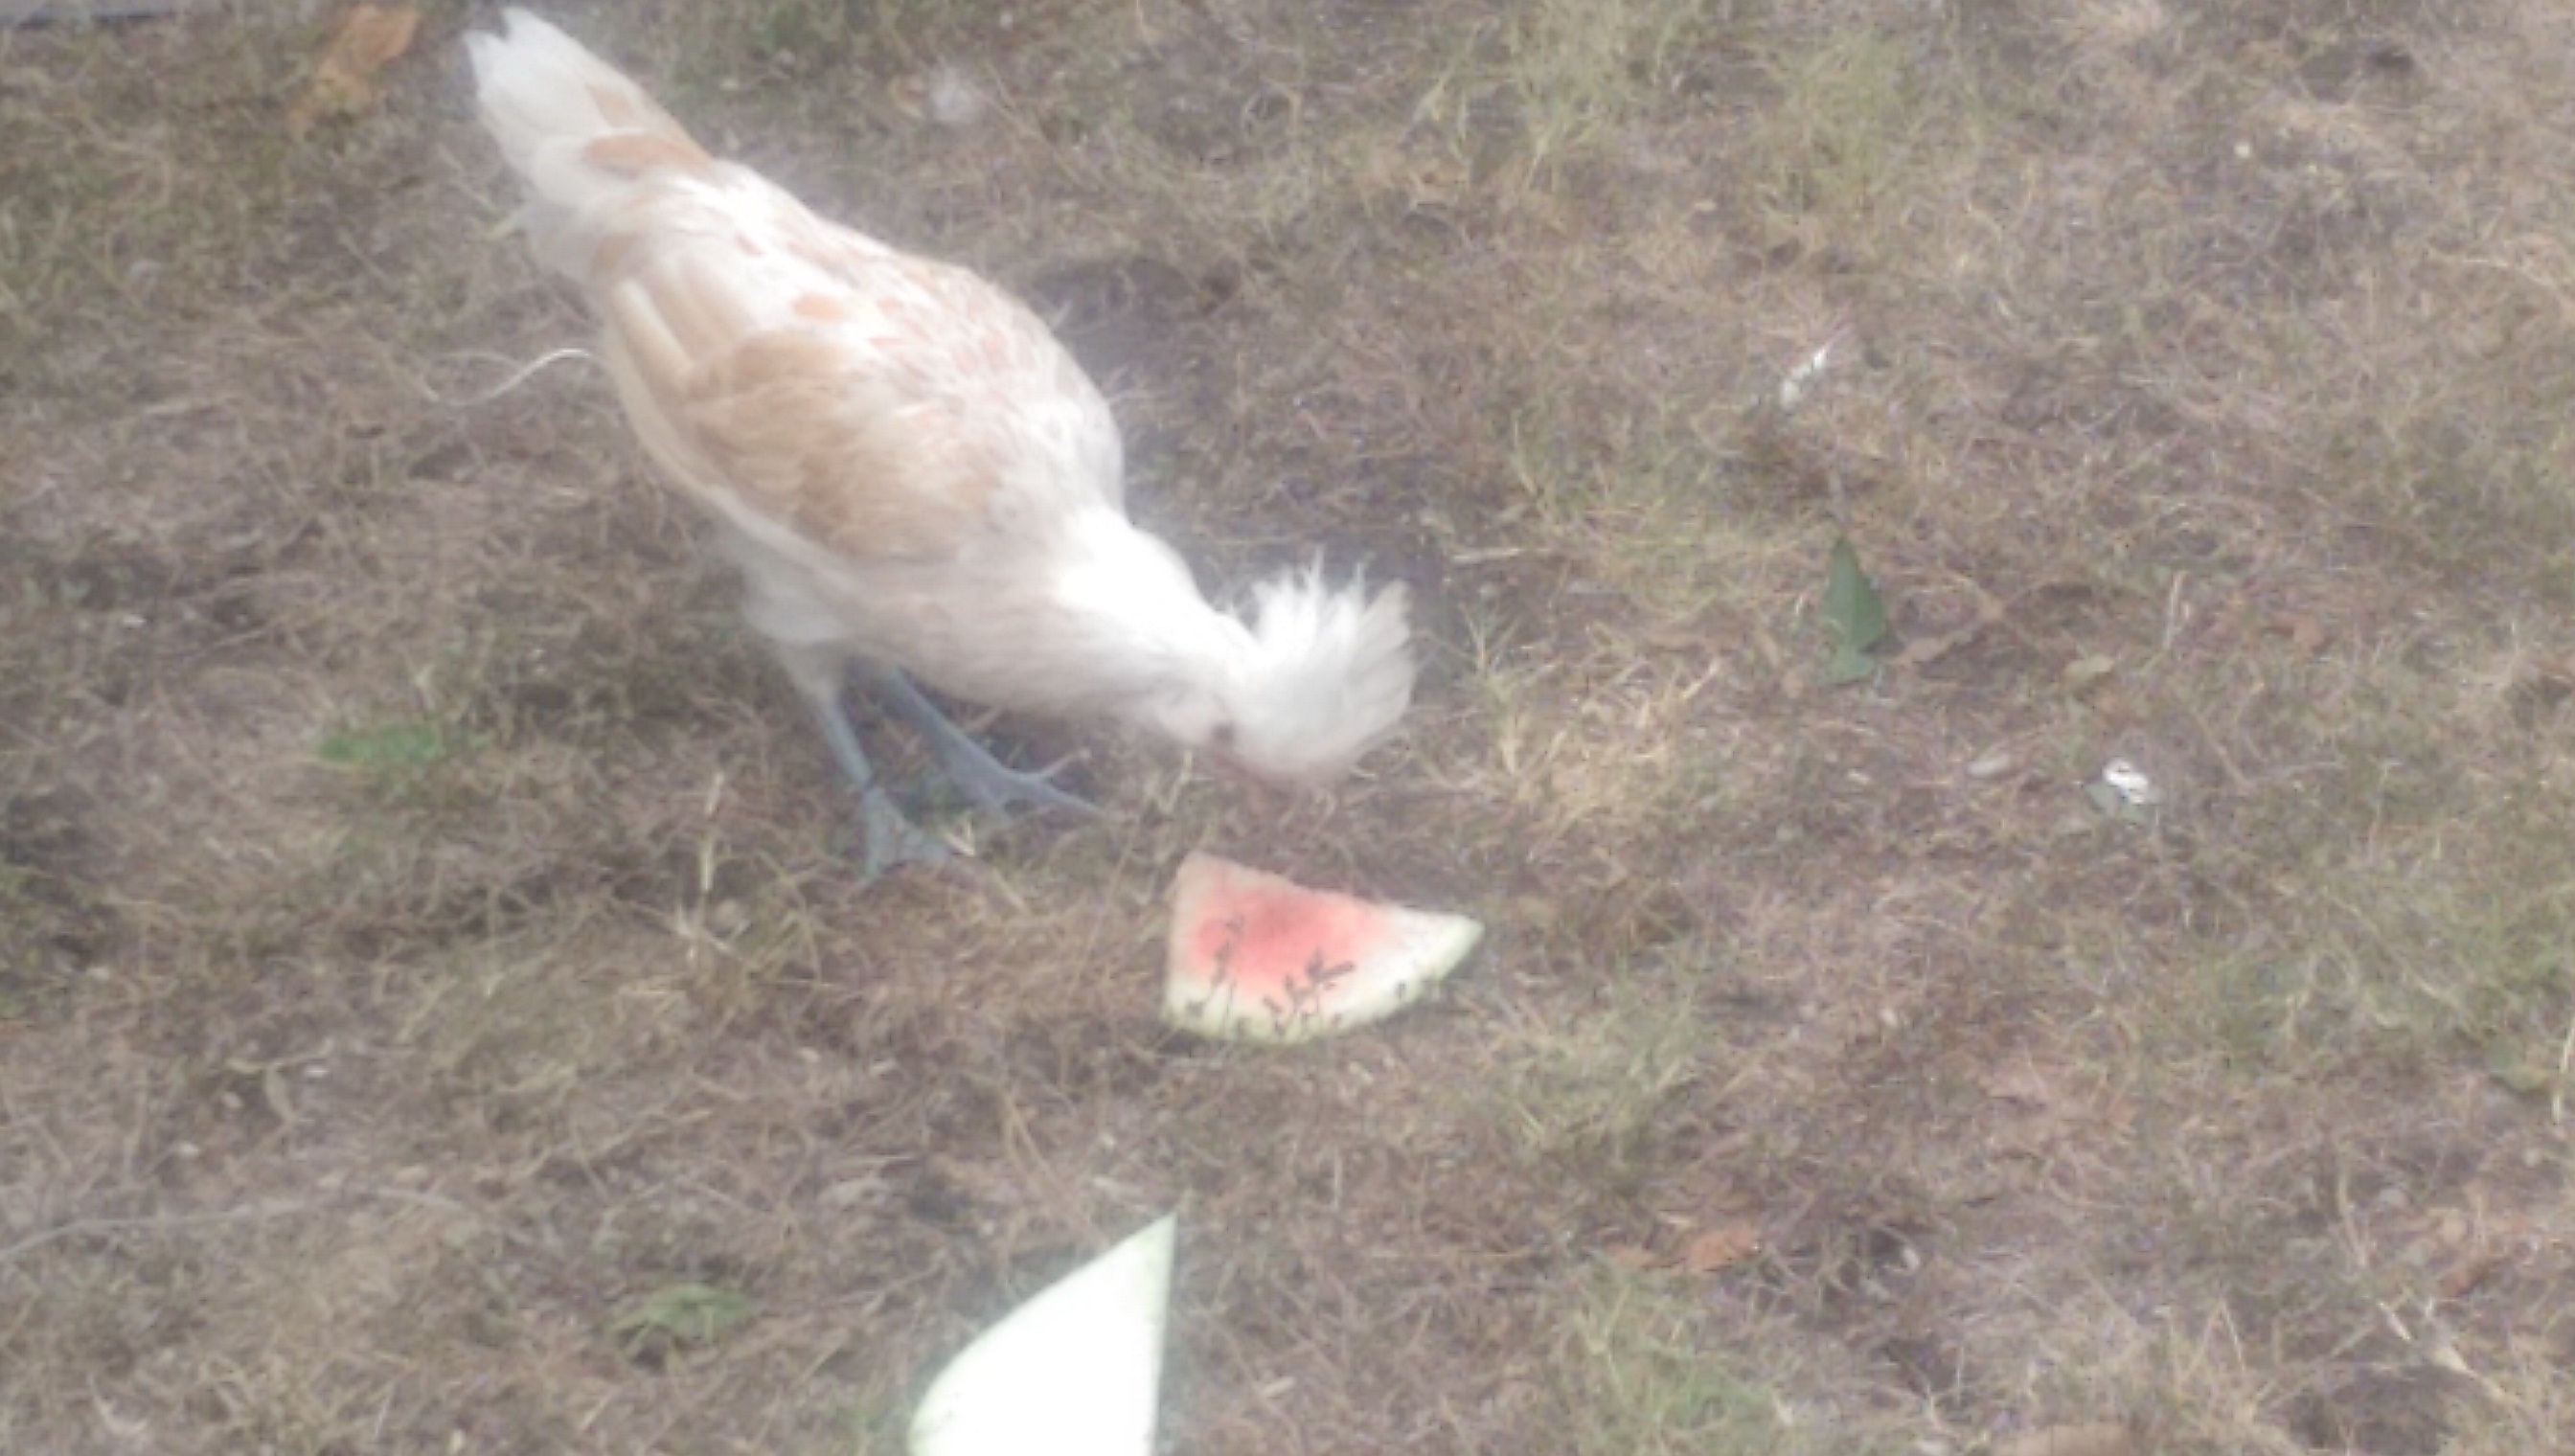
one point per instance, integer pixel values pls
(886, 838)
(990, 784)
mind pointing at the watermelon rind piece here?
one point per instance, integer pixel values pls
(1075, 1371)
(1255, 957)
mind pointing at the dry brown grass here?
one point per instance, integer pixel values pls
(422, 933)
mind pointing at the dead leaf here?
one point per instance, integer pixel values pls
(2038, 1106)
(2467, 1274)
(1924, 649)
(2304, 633)
(1634, 1257)
(2084, 673)
(2025, 1084)
(344, 82)
(1721, 1248)
(1932, 649)
(2100, 1438)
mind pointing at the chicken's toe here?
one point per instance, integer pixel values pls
(986, 781)
(889, 839)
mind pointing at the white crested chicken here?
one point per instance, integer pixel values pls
(913, 475)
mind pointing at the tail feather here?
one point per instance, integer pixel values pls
(576, 129)
(1328, 675)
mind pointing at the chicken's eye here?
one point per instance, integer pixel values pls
(1220, 737)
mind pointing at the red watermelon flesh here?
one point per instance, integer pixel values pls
(1256, 958)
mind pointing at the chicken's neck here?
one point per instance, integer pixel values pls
(1153, 648)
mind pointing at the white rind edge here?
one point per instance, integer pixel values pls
(1424, 948)
(1075, 1371)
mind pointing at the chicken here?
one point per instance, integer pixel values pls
(913, 475)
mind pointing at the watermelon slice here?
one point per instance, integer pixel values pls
(1255, 957)
(1075, 1371)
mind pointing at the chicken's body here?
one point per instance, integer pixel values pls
(910, 470)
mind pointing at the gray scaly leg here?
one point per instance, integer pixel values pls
(888, 838)
(988, 782)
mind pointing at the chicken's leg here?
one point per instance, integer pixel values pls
(990, 784)
(888, 838)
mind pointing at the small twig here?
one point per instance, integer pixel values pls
(26, 14)
(156, 1222)
(525, 373)
(2565, 1063)
(82, 1227)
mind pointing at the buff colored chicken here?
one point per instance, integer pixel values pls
(913, 477)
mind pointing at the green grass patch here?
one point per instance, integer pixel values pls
(1586, 1096)
(682, 1315)
(399, 759)
(1836, 149)
(1579, 67)
(1648, 1388)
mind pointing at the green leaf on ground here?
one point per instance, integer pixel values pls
(682, 1315)
(1855, 616)
(2521, 1073)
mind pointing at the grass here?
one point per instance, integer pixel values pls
(1651, 1389)
(433, 1007)
(395, 757)
(1833, 147)
(1588, 1097)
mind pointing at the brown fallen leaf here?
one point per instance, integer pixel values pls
(344, 82)
(2087, 673)
(2303, 631)
(1927, 649)
(1634, 1257)
(2468, 1273)
(2039, 1104)
(1721, 1248)
(2023, 1082)
(2101, 1438)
